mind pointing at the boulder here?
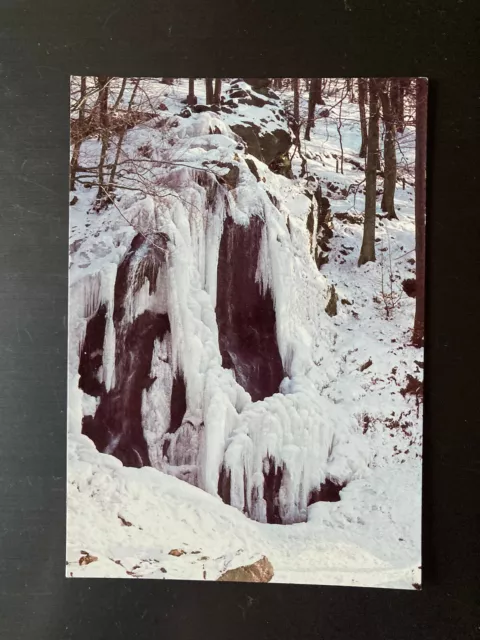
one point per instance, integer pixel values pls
(267, 146)
(231, 177)
(282, 165)
(260, 571)
(201, 108)
(238, 93)
(254, 100)
(258, 84)
(86, 558)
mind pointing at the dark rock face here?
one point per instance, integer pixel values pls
(253, 168)
(230, 178)
(178, 403)
(269, 147)
(116, 427)
(245, 317)
(324, 228)
(91, 358)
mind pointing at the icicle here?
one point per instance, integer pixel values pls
(156, 400)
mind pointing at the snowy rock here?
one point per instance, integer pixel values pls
(260, 571)
(267, 146)
(331, 307)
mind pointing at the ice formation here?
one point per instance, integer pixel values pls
(199, 342)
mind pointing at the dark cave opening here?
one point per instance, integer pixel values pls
(329, 491)
(271, 488)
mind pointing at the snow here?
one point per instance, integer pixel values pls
(329, 419)
(369, 538)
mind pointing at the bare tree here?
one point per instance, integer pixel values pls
(389, 151)
(314, 98)
(367, 252)
(296, 110)
(209, 90)
(102, 82)
(420, 208)
(218, 91)
(339, 129)
(350, 89)
(120, 95)
(311, 107)
(319, 91)
(121, 136)
(404, 84)
(362, 98)
(79, 134)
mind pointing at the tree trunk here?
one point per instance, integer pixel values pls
(105, 134)
(420, 209)
(403, 84)
(311, 107)
(362, 98)
(209, 90)
(318, 93)
(296, 110)
(395, 98)
(218, 91)
(389, 152)
(339, 129)
(350, 93)
(113, 172)
(120, 95)
(191, 98)
(367, 252)
(296, 124)
(78, 142)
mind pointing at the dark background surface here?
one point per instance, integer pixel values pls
(41, 43)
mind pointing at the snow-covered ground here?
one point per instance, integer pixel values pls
(334, 417)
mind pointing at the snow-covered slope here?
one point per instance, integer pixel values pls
(202, 358)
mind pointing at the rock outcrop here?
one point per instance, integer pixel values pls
(260, 571)
(271, 143)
